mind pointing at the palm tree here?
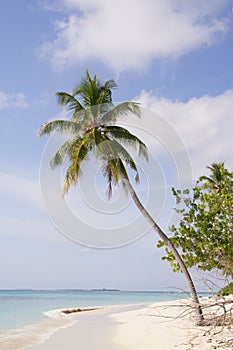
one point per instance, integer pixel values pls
(94, 130)
(217, 175)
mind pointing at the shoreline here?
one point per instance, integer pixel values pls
(55, 320)
(165, 325)
(19, 309)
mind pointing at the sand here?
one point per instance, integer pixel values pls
(161, 326)
(168, 326)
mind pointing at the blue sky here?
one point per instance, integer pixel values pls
(174, 58)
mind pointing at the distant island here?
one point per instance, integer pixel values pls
(105, 290)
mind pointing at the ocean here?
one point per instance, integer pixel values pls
(19, 308)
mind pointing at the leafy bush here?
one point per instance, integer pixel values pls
(226, 290)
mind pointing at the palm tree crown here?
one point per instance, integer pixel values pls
(94, 131)
(217, 175)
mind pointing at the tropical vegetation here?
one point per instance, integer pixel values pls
(204, 233)
(227, 290)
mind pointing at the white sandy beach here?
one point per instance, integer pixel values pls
(167, 326)
(162, 326)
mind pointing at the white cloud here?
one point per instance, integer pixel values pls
(129, 34)
(205, 125)
(16, 100)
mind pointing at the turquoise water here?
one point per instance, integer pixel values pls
(19, 308)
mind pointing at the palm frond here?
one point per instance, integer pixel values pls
(93, 92)
(88, 76)
(129, 139)
(121, 110)
(110, 84)
(114, 171)
(206, 178)
(61, 126)
(78, 116)
(99, 110)
(64, 151)
(217, 176)
(77, 154)
(106, 95)
(71, 103)
(110, 173)
(87, 90)
(216, 171)
(104, 98)
(124, 176)
(113, 150)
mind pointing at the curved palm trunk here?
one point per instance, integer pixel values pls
(199, 315)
